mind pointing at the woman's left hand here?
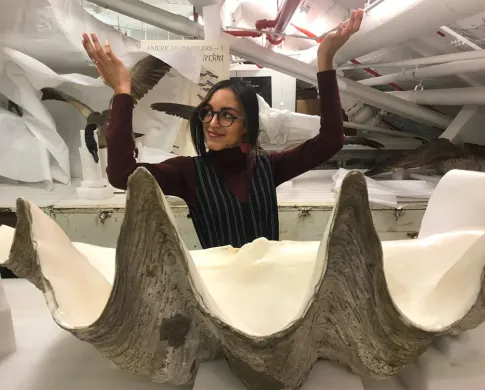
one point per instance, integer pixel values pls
(335, 40)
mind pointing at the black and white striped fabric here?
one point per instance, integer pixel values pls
(221, 219)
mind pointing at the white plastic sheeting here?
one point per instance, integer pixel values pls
(50, 31)
(282, 126)
(17, 142)
(45, 156)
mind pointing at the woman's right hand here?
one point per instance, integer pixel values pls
(111, 69)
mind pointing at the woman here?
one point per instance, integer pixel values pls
(229, 187)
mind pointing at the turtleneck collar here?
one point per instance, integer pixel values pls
(231, 160)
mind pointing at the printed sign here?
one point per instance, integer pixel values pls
(215, 67)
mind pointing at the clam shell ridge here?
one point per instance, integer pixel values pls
(159, 324)
(22, 260)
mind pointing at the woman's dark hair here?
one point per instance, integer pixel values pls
(248, 98)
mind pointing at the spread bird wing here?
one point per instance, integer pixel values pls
(145, 75)
(183, 111)
(54, 94)
(432, 152)
(357, 140)
(478, 150)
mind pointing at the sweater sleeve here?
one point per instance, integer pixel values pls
(294, 162)
(173, 175)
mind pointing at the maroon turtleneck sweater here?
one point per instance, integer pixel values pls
(176, 176)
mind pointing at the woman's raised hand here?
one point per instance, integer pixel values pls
(335, 40)
(111, 69)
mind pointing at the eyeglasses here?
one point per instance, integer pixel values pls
(224, 117)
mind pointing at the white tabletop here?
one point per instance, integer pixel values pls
(315, 187)
(49, 358)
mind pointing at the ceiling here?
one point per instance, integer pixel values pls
(136, 29)
(317, 16)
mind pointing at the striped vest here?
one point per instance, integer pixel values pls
(219, 217)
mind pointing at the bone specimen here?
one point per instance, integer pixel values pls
(270, 308)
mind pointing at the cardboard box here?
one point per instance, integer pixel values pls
(308, 106)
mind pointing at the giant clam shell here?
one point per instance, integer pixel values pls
(158, 319)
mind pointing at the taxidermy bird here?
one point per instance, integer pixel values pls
(144, 75)
(441, 155)
(14, 108)
(185, 111)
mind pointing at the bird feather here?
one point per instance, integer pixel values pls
(145, 74)
(183, 111)
(54, 94)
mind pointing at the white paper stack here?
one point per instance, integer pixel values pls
(391, 192)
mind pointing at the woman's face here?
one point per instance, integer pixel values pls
(223, 135)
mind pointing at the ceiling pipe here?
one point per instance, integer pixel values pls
(448, 69)
(379, 99)
(378, 130)
(354, 61)
(425, 50)
(228, 29)
(439, 59)
(367, 9)
(397, 21)
(460, 38)
(390, 22)
(445, 97)
(378, 76)
(253, 52)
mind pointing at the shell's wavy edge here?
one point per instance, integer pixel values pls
(155, 323)
(351, 318)
(22, 260)
(151, 325)
(368, 334)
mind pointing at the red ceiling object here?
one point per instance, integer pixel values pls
(262, 24)
(243, 33)
(196, 15)
(285, 13)
(307, 33)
